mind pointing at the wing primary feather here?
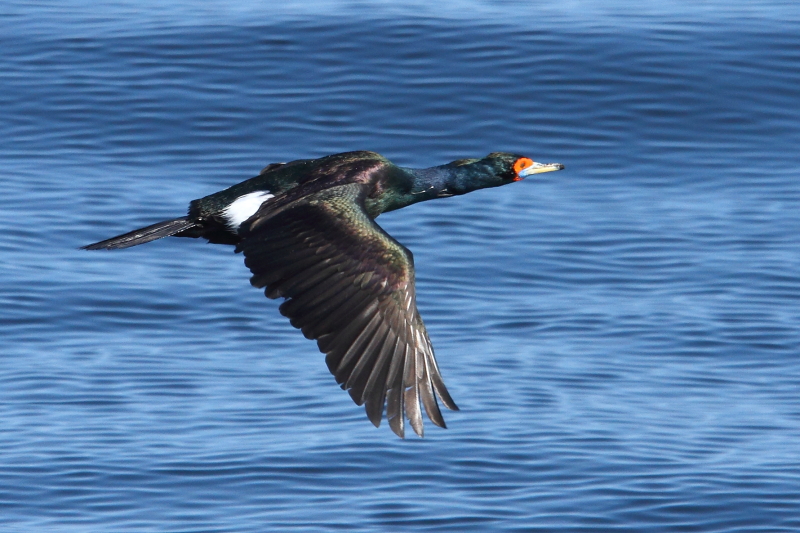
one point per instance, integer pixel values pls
(374, 395)
(337, 344)
(368, 355)
(360, 374)
(428, 398)
(378, 373)
(411, 388)
(394, 394)
(350, 357)
(438, 383)
(362, 307)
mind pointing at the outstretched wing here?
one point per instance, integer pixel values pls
(350, 286)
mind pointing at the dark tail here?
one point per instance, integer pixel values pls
(143, 235)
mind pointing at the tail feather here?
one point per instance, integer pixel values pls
(143, 235)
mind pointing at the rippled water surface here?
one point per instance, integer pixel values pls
(623, 337)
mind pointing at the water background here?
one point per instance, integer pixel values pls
(623, 337)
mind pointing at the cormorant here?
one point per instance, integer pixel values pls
(308, 234)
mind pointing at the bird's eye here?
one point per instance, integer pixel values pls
(521, 163)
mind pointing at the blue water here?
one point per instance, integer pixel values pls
(623, 337)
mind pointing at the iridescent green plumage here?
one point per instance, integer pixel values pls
(348, 284)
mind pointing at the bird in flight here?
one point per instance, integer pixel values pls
(308, 234)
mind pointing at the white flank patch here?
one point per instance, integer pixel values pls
(244, 207)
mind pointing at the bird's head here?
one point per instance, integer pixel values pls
(498, 168)
(513, 167)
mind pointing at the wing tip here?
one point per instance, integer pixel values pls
(397, 426)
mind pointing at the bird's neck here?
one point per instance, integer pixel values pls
(414, 185)
(443, 181)
(429, 183)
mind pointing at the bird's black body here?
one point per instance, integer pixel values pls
(307, 231)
